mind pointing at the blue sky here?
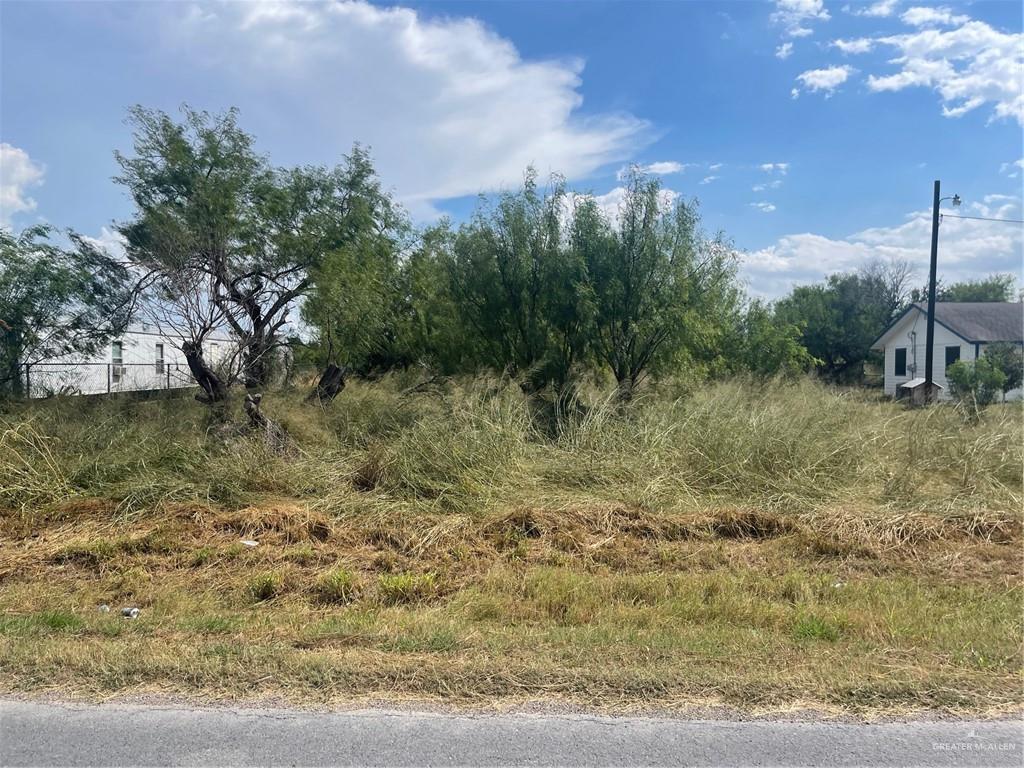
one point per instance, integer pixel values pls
(810, 130)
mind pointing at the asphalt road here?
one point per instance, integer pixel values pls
(57, 734)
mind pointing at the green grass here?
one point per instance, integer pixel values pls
(758, 545)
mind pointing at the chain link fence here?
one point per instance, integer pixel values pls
(48, 379)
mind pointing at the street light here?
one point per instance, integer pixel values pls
(929, 352)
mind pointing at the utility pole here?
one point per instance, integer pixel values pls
(929, 351)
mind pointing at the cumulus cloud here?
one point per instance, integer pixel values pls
(452, 108)
(764, 207)
(967, 248)
(823, 80)
(780, 168)
(784, 51)
(880, 10)
(793, 15)
(968, 67)
(109, 241)
(767, 185)
(928, 16)
(860, 45)
(18, 174)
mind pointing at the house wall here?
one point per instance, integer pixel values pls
(76, 374)
(900, 336)
(915, 323)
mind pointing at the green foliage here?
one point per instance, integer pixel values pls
(55, 301)
(843, 316)
(976, 383)
(356, 302)
(522, 293)
(1008, 358)
(661, 291)
(991, 288)
(767, 345)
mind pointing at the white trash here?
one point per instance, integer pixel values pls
(103, 608)
(130, 613)
(250, 543)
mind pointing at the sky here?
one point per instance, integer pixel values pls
(810, 131)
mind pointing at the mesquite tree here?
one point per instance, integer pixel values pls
(661, 290)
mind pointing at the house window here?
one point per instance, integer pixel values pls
(116, 361)
(159, 358)
(952, 355)
(901, 361)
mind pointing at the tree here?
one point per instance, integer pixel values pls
(768, 345)
(357, 296)
(841, 317)
(975, 382)
(522, 293)
(204, 198)
(56, 301)
(1008, 358)
(991, 288)
(656, 285)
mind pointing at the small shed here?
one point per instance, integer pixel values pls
(917, 391)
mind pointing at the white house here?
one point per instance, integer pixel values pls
(142, 358)
(962, 331)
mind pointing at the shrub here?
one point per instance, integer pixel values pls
(975, 383)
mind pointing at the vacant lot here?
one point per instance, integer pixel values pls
(752, 545)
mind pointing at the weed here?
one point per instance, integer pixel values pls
(265, 586)
(338, 585)
(406, 587)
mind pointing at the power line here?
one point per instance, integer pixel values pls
(982, 218)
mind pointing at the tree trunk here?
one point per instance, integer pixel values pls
(214, 390)
(332, 381)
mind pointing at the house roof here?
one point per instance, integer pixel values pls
(974, 321)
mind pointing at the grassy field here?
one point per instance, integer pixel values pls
(755, 546)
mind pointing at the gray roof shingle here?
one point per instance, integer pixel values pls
(981, 321)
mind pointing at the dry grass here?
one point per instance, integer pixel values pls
(755, 546)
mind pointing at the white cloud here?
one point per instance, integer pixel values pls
(18, 174)
(929, 16)
(969, 66)
(794, 14)
(1012, 169)
(764, 207)
(779, 168)
(714, 166)
(967, 248)
(881, 9)
(708, 179)
(784, 51)
(860, 45)
(108, 240)
(766, 186)
(824, 80)
(451, 107)
(662, 168)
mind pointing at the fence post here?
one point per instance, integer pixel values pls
(167, 370)
(108, 377)
(28, 381)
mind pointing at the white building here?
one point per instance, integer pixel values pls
(962, 331)
(142, 358)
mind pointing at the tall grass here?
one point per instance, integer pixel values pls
(473, 446)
